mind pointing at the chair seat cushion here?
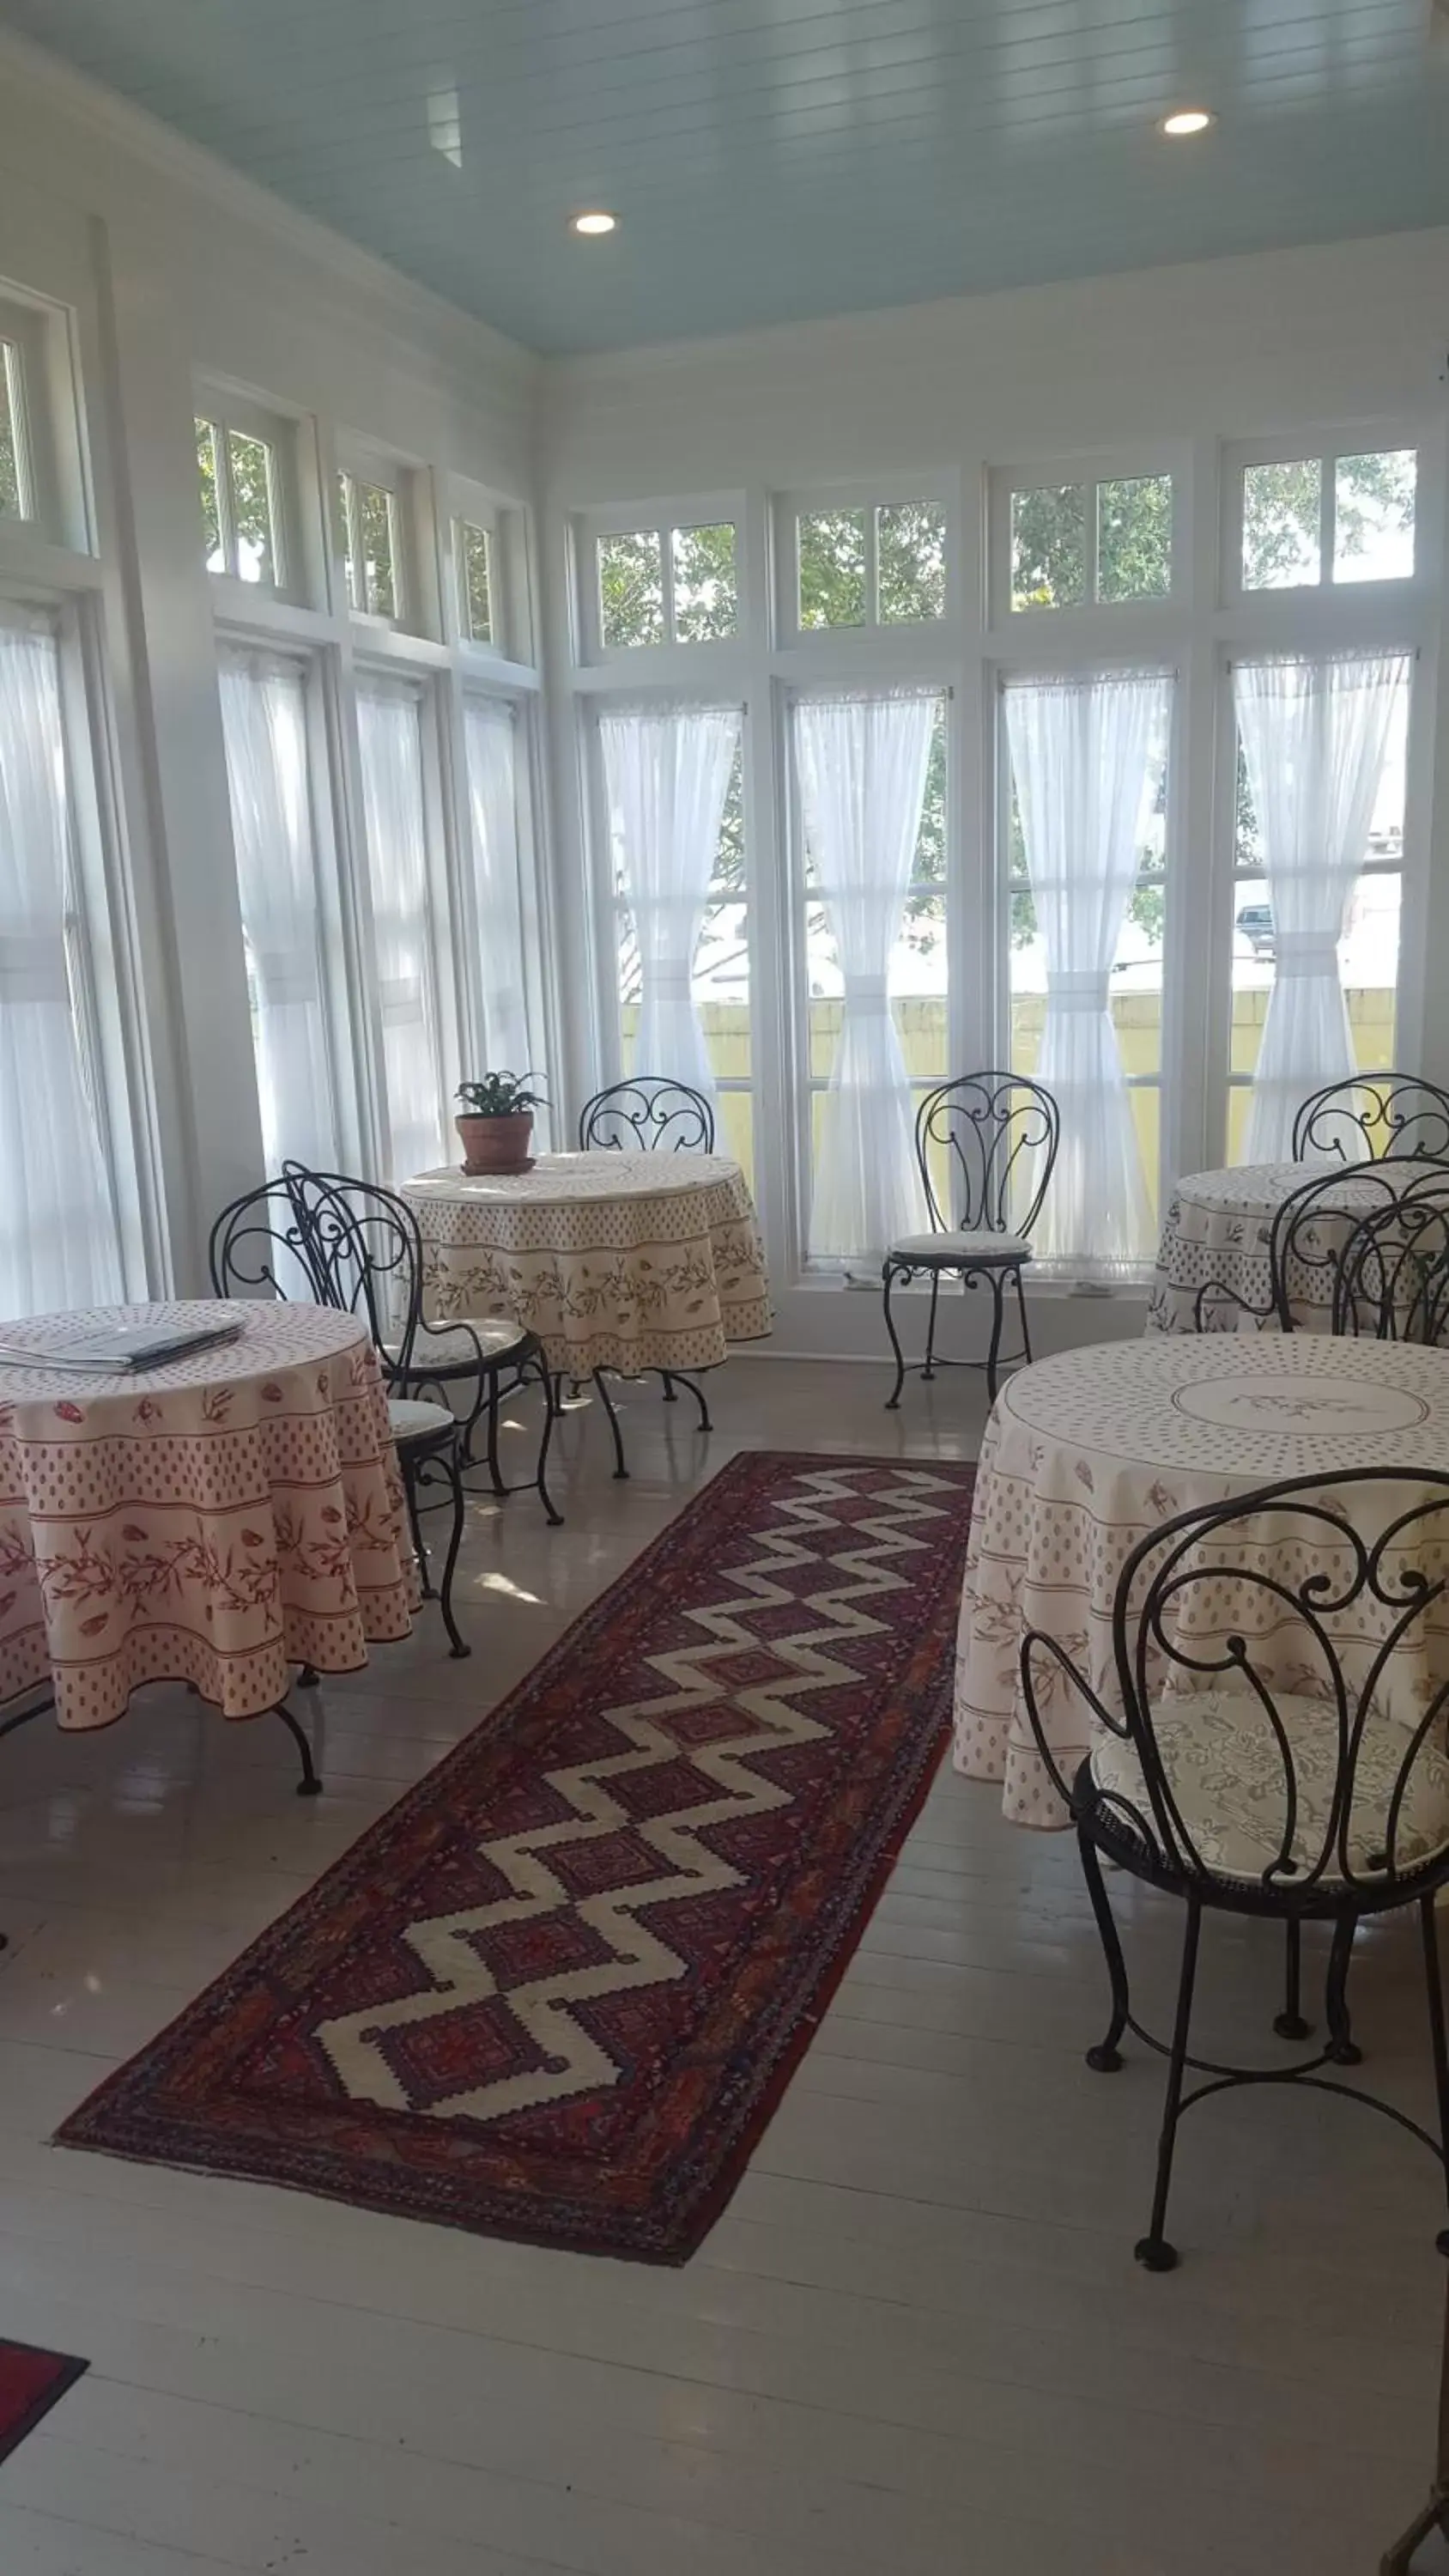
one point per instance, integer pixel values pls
(1228, 1782)
(449, 1348)
(408, 1419)
(979, 1243)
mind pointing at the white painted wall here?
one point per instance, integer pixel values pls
(1168, 363)
(174, 267)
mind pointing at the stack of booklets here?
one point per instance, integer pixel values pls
(129, 1351)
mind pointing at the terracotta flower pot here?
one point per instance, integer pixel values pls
(496, 1144)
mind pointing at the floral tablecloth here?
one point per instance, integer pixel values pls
(216, 1521)
(1087, 1452)
(1215, 1236)
(615, 1260)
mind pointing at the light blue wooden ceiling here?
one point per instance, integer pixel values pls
(772, 159)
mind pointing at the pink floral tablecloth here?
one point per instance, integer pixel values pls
(1086, 1453)
(615, 1260)
(216, 1521)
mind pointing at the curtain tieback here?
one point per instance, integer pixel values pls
(668, 983)
(282, 977)
(1081, 989)
(402, 999)
(866, 988)
(1305, 952)
(33, 970)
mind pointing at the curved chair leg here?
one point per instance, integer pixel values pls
(1153, 2250)
(1105, 2058)
(930, 1368)
(410, 1489)
(495, 1472)
(555, 1518)
(458, 1644)
(620, 1467)
(671, 1392)
(889, 1277)
(671, 1385)
(1289, 2023)
(1435, 1991)
(998, 1308)
(1021, 1310)
(310, 1785)
(1342, 2047)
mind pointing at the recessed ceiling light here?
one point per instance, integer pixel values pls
(593, 221)
(1187, 120)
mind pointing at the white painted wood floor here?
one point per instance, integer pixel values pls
(916, 2341)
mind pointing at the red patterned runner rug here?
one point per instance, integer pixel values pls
(557, 1991)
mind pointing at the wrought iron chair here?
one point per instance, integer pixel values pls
(997, 1136)
(1371, 1117)
(487, 1356)
(1350, 1243)
(1392, 1277)
(651, 1114)
(1293, 1764)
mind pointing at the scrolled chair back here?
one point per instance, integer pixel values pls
(652, 1114)
(1373, 1117)
(1278, 1728)
(986, 1144)
(261, 1243)
(1309, 1235)
(1392, 1275)
(367, 1254)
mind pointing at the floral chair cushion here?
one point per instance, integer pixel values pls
(1228, 1781)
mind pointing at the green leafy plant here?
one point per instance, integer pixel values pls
(500, 1095)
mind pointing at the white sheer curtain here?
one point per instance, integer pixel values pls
(1314, 734)
(861, 762)
(1086, 757)
(666, 775)
(490, 739)
(389, 731)
(264, 720)
(58, 1244)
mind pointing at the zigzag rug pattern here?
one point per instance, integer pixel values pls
(556, 1992)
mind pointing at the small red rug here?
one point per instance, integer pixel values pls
(557, 1991)
(30, 2382)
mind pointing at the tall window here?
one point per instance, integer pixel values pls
(59, 1242)
(671, 788)
(264, 719)
(1317, 881)
(490, 736)
(871, 849)
(390, 743)
(1086, 888)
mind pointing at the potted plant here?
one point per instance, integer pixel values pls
(497, 1122)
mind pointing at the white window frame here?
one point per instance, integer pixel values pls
(878, 492)
(659, 519)
(1373, 438)
(400, 479)
(227, 409)
(1052, 473)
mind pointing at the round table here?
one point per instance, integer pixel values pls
(614, 1260)
(1087, 1452)
(215, 1521)
(1216, 1234)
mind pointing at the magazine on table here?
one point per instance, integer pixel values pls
(132, 1350)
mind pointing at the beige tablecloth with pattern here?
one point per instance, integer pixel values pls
(1215, 1236)
(615, 1260)
(216, 1521)
(1087, 1452)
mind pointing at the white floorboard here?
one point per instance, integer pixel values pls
(916, 2340)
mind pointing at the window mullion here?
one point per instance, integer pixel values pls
(225, 498)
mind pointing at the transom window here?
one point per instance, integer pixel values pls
(1312, 521)
(16, 495)
(883, 564)
(371, 546)
(475, 571)
(1089, 543)
(672, 584)
(241, 513)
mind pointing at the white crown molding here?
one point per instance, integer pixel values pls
(409, 305)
